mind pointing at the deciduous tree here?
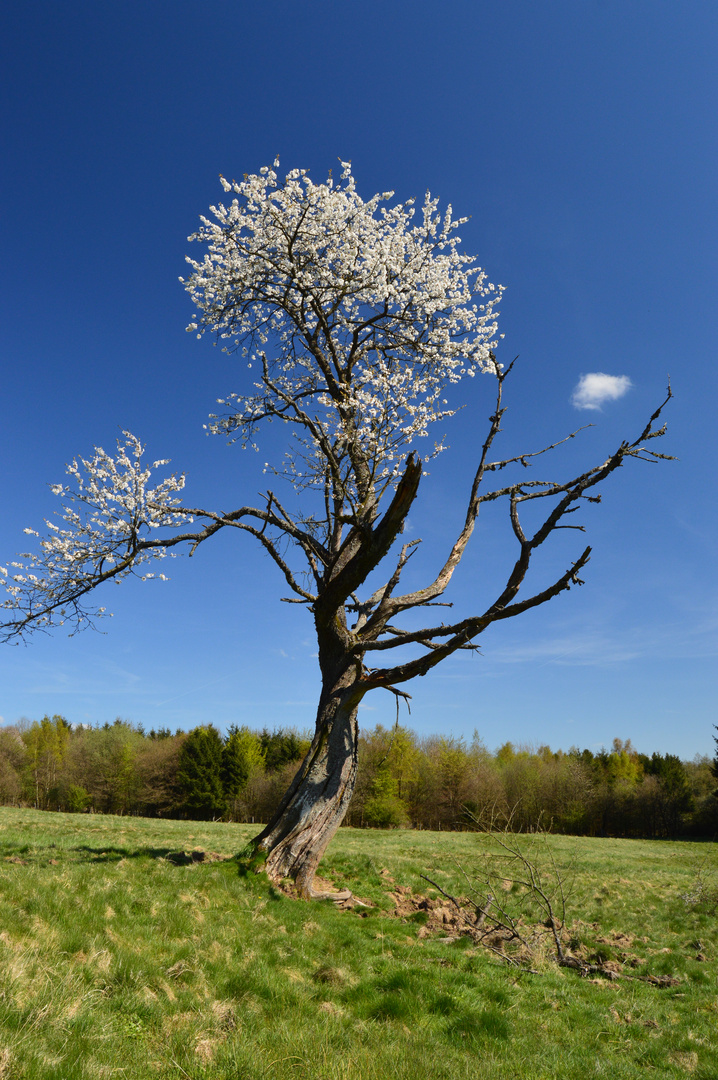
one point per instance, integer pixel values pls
(46, 746)
(353, 319)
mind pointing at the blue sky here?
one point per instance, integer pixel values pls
(581, 139)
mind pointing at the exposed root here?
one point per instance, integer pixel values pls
(339, 896)
(321, 889)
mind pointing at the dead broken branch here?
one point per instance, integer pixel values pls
(516, 907)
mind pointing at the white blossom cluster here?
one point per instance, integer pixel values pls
(109, 513)
(357, 315)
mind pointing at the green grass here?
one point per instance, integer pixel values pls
(119, 957)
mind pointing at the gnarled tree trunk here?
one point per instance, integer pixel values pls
(317, 800)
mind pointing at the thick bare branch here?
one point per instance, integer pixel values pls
(568, 494)
(309, 544)
(440, 583)
(363, 550)
(462, 633)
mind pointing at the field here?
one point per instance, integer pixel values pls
(123, 955)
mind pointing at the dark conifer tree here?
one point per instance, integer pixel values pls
(199, 774)
(281, 747)
(232, 772)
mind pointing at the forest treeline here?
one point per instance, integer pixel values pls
(434, 782)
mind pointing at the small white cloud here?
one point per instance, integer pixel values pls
(595, 388)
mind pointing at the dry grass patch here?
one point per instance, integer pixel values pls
(688, 1060)
(5, 1062)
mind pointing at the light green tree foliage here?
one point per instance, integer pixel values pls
(454, 767)
(505, 753)
(389, 772)
(103, 764)
(445, 782)
(77, 799)
(567, 789)
(46, 745)
(624, 764)
(429, 783)
(12, 761)
(403, 761)
(482, 790)
(384, 808)
(544, 787)
(242, 760)
(520, 776)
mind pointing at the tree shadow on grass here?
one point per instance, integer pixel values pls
(24, 854)
(171, 855)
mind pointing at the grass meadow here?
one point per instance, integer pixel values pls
(122, 956)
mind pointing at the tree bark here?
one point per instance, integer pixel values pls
(317, 800)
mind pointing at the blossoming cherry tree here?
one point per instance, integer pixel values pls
(352, 319)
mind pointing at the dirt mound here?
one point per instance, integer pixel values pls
(517, 941)
(451, 919)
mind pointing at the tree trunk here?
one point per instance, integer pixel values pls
(318, 797)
